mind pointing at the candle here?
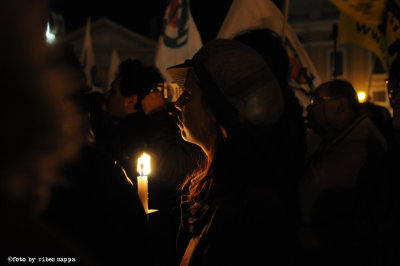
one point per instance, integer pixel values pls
(143, 167)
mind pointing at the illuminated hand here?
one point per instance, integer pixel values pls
(153, 102)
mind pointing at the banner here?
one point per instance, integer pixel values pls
(114, 63)
(88, 62)
(365, 11)
(248, 14)
(179, 39)
(382, 39)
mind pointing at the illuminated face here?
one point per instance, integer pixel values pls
(195, 120)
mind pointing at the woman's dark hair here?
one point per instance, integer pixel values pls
(137, 78)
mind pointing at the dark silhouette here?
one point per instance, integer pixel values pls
(380, 116)
(390, 200)
(41, 131)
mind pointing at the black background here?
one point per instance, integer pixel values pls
(144, 17)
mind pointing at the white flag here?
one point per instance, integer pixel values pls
(114, 63)
(88, 62)
(179, 39)
(249, 14)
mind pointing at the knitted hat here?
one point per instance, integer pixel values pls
(241, 74)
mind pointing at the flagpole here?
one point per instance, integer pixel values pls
(285, 18)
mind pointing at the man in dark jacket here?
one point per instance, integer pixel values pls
(332, 192)
(144, 124)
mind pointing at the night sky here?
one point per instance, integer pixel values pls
(143, 17)
(137, 17)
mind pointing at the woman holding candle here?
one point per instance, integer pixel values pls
(230, 104)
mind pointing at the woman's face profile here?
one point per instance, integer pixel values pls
(196, 120)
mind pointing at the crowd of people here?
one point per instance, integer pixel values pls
(239, 175)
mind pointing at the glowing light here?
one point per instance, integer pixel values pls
(362, 96)
(143, 165)
(50, 37)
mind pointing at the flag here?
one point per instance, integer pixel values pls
(365, 35)
(114, 63)
(88, 62)
(365, 11)
(383, 39)
(249, 14)
(179, 39)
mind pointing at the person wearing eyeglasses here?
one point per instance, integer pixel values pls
(350, 145)
(333, 107)
(144, 124)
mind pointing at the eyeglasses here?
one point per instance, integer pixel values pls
(170, 91)
(314, 100)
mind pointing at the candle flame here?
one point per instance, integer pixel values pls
(143, 165)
